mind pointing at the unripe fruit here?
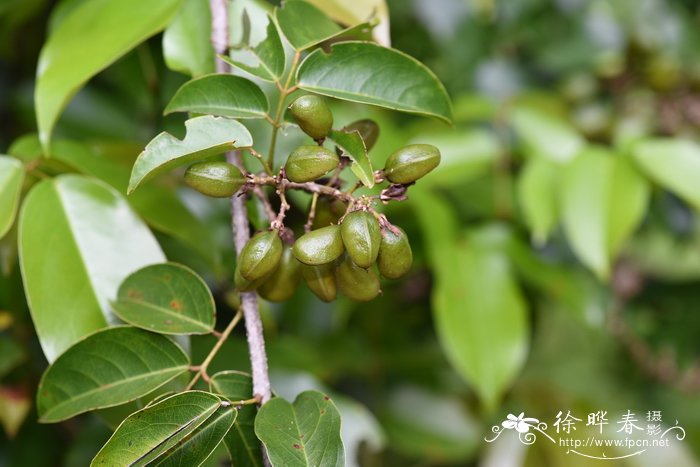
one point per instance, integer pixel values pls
(321, 280)
(313, 115)
(217, 179)
(319, 246)
(283, 282)
(411, 162)
(355, 282)
(395, 255)
(368, 129)
(260, 255)
(361, 237)
(307, 163)
(244, 285)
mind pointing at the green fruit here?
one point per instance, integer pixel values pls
(361, 237)
(244, 285)
(283, 282)
(260, 255)
(368, 129)
(395, 255)
(313, 115)
(321, 280)
(356, 283)
(328, 211)
(411, 162)
(307, 163)
(217, 179)
(319, 246)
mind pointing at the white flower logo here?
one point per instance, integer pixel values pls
(520, 423)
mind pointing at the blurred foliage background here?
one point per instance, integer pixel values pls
(557, 247)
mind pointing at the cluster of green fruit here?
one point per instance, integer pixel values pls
(335, 256)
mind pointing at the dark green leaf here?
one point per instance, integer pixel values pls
(11, 178)
(306, 433)
(241, 442)
(107, 368)
(167, 298)
(222, 95)
(266, 59)
(672, 163)
(147, 434)
(354, 148)
(304, 25)
(206, 136)
(78, 240)
(187, 40)
(370, 74)
(198, 446)
(91, 36)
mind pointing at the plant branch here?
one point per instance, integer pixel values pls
(241, 227)
(284, 91)
(257, 191)
(202, 369)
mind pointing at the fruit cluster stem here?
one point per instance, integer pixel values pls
(241, 227)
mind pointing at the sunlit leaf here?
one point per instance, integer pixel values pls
(78, 240)
(88, 39)
(206, 136)
(222, 95)
(371, 74)
(351, 12)
(11, 178)
(187, 40)
(304, 25)
(672, 163)
(306, 433)
(538, 195)
(167, 298)
(147, 434)
(266, 59)
(354, 148)
(544, 135)
(107, 368)
(241, 442)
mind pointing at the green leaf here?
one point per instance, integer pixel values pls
(91, 37)
(167, 298)
(158, 205)
(241, 442)
(306, 433)
(12, 354)
(11, 178)
(304, 25)
(222, 95)
(354, 148)
(78, 240)
(603, 200)
(672, 163)
(538, 193)
(480, 314)
(544, 135)
(187, 40)
(206, 136)
(349, 12)
(371, 74)
(107, 368)
(266, 59)
(147, 434)
(198, 446)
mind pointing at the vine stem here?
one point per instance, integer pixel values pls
(202, 369)
(241, 227)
